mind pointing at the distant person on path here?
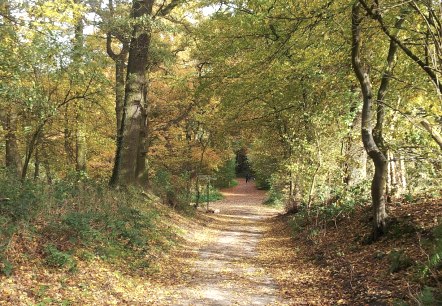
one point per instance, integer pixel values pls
(248, 177)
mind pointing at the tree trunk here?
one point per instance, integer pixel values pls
(120, 67)
(67, 133)
(389, 187)
(80, 135)
(37, 164)
(403, 174)
(393, 168)
(315, 174)
(127, 158)
(141, 170)
(434, 133)
(379, 160)
(356, 156)
(12, 155)
(9, 118)
(80, 141)
(46, 163)
(291, 185)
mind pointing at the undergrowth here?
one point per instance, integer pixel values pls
(274, 198)
(213, 195)
(329, 211)
(430, 272)
(330, 208)
(77, 219)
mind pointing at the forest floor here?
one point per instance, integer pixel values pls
(252, 256)
(247, 254)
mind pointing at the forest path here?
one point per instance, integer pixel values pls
(225, 269)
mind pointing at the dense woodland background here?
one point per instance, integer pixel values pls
(330, 105)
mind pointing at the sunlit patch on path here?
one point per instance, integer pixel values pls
(226, 269)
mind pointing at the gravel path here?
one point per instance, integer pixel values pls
(226, 271)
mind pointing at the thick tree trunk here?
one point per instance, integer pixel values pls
(120, 66)
(8, 117)
(128, 161)
(141, 170)
(120, 59)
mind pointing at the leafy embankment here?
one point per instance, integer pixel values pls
(77, 241)
(323, 257)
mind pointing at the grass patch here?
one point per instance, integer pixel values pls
(214, 195)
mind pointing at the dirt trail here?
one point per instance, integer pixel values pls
(226, 270)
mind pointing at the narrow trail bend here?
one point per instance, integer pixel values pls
(225, 269)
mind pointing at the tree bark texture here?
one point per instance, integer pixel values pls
(80, 135)
(120, 59)
(131, 155)
(378, 158)
(9, 122)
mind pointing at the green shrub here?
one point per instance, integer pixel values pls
(233, 183)
(399, 261)
(6, 267)
(106, 232)
(436, 258)
(433, 267)
(20, 199)
(173, 189)
(85, 217)
(262, 183)
(274, 198)
(430, 296)
(226, 174)
(58, 259)
(214, 195)
(132, 226)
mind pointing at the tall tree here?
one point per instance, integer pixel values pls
(130, 155)
(373, 138)
(131, 152)
(8, 116)
(80, 133)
